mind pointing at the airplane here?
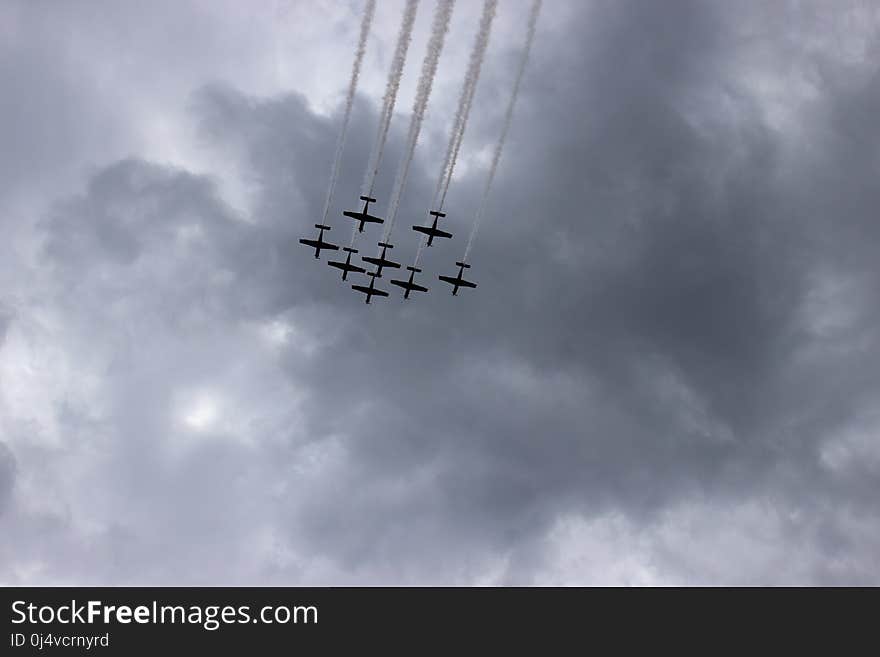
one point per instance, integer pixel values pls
(409, 286)
(319, 243)
(433, 231)
(458, 281)
(381, 261)
(363, 216)
(370, 291)
(347, 266)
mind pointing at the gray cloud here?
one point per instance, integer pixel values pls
(7, 475)
(668, 372)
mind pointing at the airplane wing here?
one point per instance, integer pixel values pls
(360, 216)
(381, 261)
(436, 232)
(376, 292)
(460, 282)
(406, 285)
(349, 267)
(312, 243)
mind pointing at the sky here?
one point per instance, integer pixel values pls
(669, 373)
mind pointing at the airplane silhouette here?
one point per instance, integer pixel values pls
(458, 281)
(370, 291)
(363, 216)
(319, 243)
(432, 231)
(347, 266)
(381, 261)
(409, 286)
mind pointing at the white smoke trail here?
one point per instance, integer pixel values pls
(508, 116)
(466, 99)
(404, 37)
(481, 42)
(366, 21)
(439, 27)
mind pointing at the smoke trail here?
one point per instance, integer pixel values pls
(508, 116)
(439, 27)
(404, 36)
(465, 101)
(366, 21)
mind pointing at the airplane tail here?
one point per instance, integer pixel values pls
(463, 264)
(322, 226)
(435, 213)
(348, 249)
(385, 245)
(368, 199)
(415, 269)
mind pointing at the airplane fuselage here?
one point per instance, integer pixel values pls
(370, 291)
(364, 216)
(432, 231)
(409, 286)
(319, 244)
(459, 280)
(346, 266)
(381, 262)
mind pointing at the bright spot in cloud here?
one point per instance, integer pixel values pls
(285, 332)
(202, 412)
(276, 332)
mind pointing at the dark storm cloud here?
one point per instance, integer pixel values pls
(675, 322)
(697, 283)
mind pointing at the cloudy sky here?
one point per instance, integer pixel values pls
(669, 373)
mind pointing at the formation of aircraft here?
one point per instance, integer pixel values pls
(319, 244)
(429, 231)
(382, 260)
(433, 231)
(364, 216)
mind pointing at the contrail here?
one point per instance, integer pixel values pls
(508, 116)
(465, 101)
(366, 21)
(439, 27)
(404, 37)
